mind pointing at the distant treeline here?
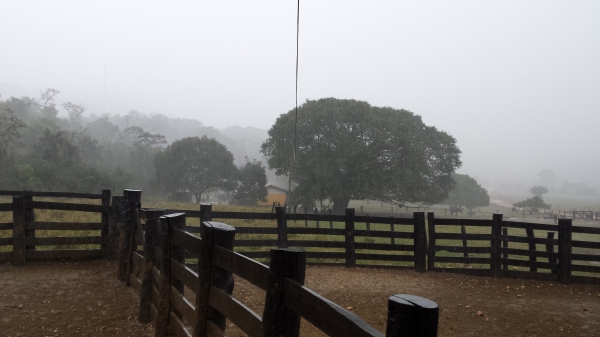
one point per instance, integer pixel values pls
(41, 149)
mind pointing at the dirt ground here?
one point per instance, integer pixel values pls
(85, 299)
(67, 299)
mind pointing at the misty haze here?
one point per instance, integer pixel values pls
(480, 119)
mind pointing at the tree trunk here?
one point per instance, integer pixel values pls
(340, 204)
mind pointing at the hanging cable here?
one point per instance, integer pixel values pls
(296, 114)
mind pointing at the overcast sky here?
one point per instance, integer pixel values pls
(516, 82)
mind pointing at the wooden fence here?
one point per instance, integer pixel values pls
(500, 253)
(350, 243)
(26, 245)
(160, 275)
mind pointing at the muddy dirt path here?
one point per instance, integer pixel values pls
(67, 299)
(85, 299)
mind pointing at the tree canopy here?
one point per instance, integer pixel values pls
(467, 193)
(532, 203)
(348, 149)
(252, 181)
(198, 165)
(539, 190)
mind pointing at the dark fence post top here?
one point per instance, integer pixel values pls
(411, 316)
(218, 226)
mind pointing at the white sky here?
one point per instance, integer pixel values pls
(516, 82)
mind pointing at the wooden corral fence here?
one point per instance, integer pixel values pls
(349, 241)
(23, 241)
(160, 275)
(499, 252)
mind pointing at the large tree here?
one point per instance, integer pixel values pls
(198, 165)
(532, 204)
(538, 190)
(467, 193)
(252, 181)
(348, 149)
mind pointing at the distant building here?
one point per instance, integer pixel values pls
(275, 194)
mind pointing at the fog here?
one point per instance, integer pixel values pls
(516, 83)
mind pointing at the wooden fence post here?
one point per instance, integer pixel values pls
(18, 231)
(164, 284)
(349, 239)
(132, 204)
(330, 220)
(305, 214)
(213, 234)
(205, 213)
(420, 242)
(279, 320)
(505, 245)
(532, 247)
(564, 250)
(431, 251)
(152, 223)
(282, 237)
(411, 316)
(495, 244)
(29, 218)
(107, 241)
(551, 254)
(392, 229)
(118, 218)
(177, 253)
(463, 232)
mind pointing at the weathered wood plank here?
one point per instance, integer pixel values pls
(318, 244)
(585, 244)
(242, 316)
(185, 274)
(384, 246)
(527, 263)
(67, 195)
(255, 254)
(178, 328)
(6, 207)
(383, 220)
(466, 271)
(64, 240)
(6, 226)
(523, 252)
(525, 225)
(185, 240)
(63, 254)
(325, 255)
(8, 241)
(585, 230)
(327, 316)
(465, 260)
(523, 239)
(385, 257)
(316, 217)
(465, 222)
(384, 234)
(459, 236)
(321, 231)
(183, 306)
(61, 206)
(255, 272)
(135, 283)
(585, 257)
(66, 226)
(244, 215)
(137, 259)
(461, 249)
(584, 268)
